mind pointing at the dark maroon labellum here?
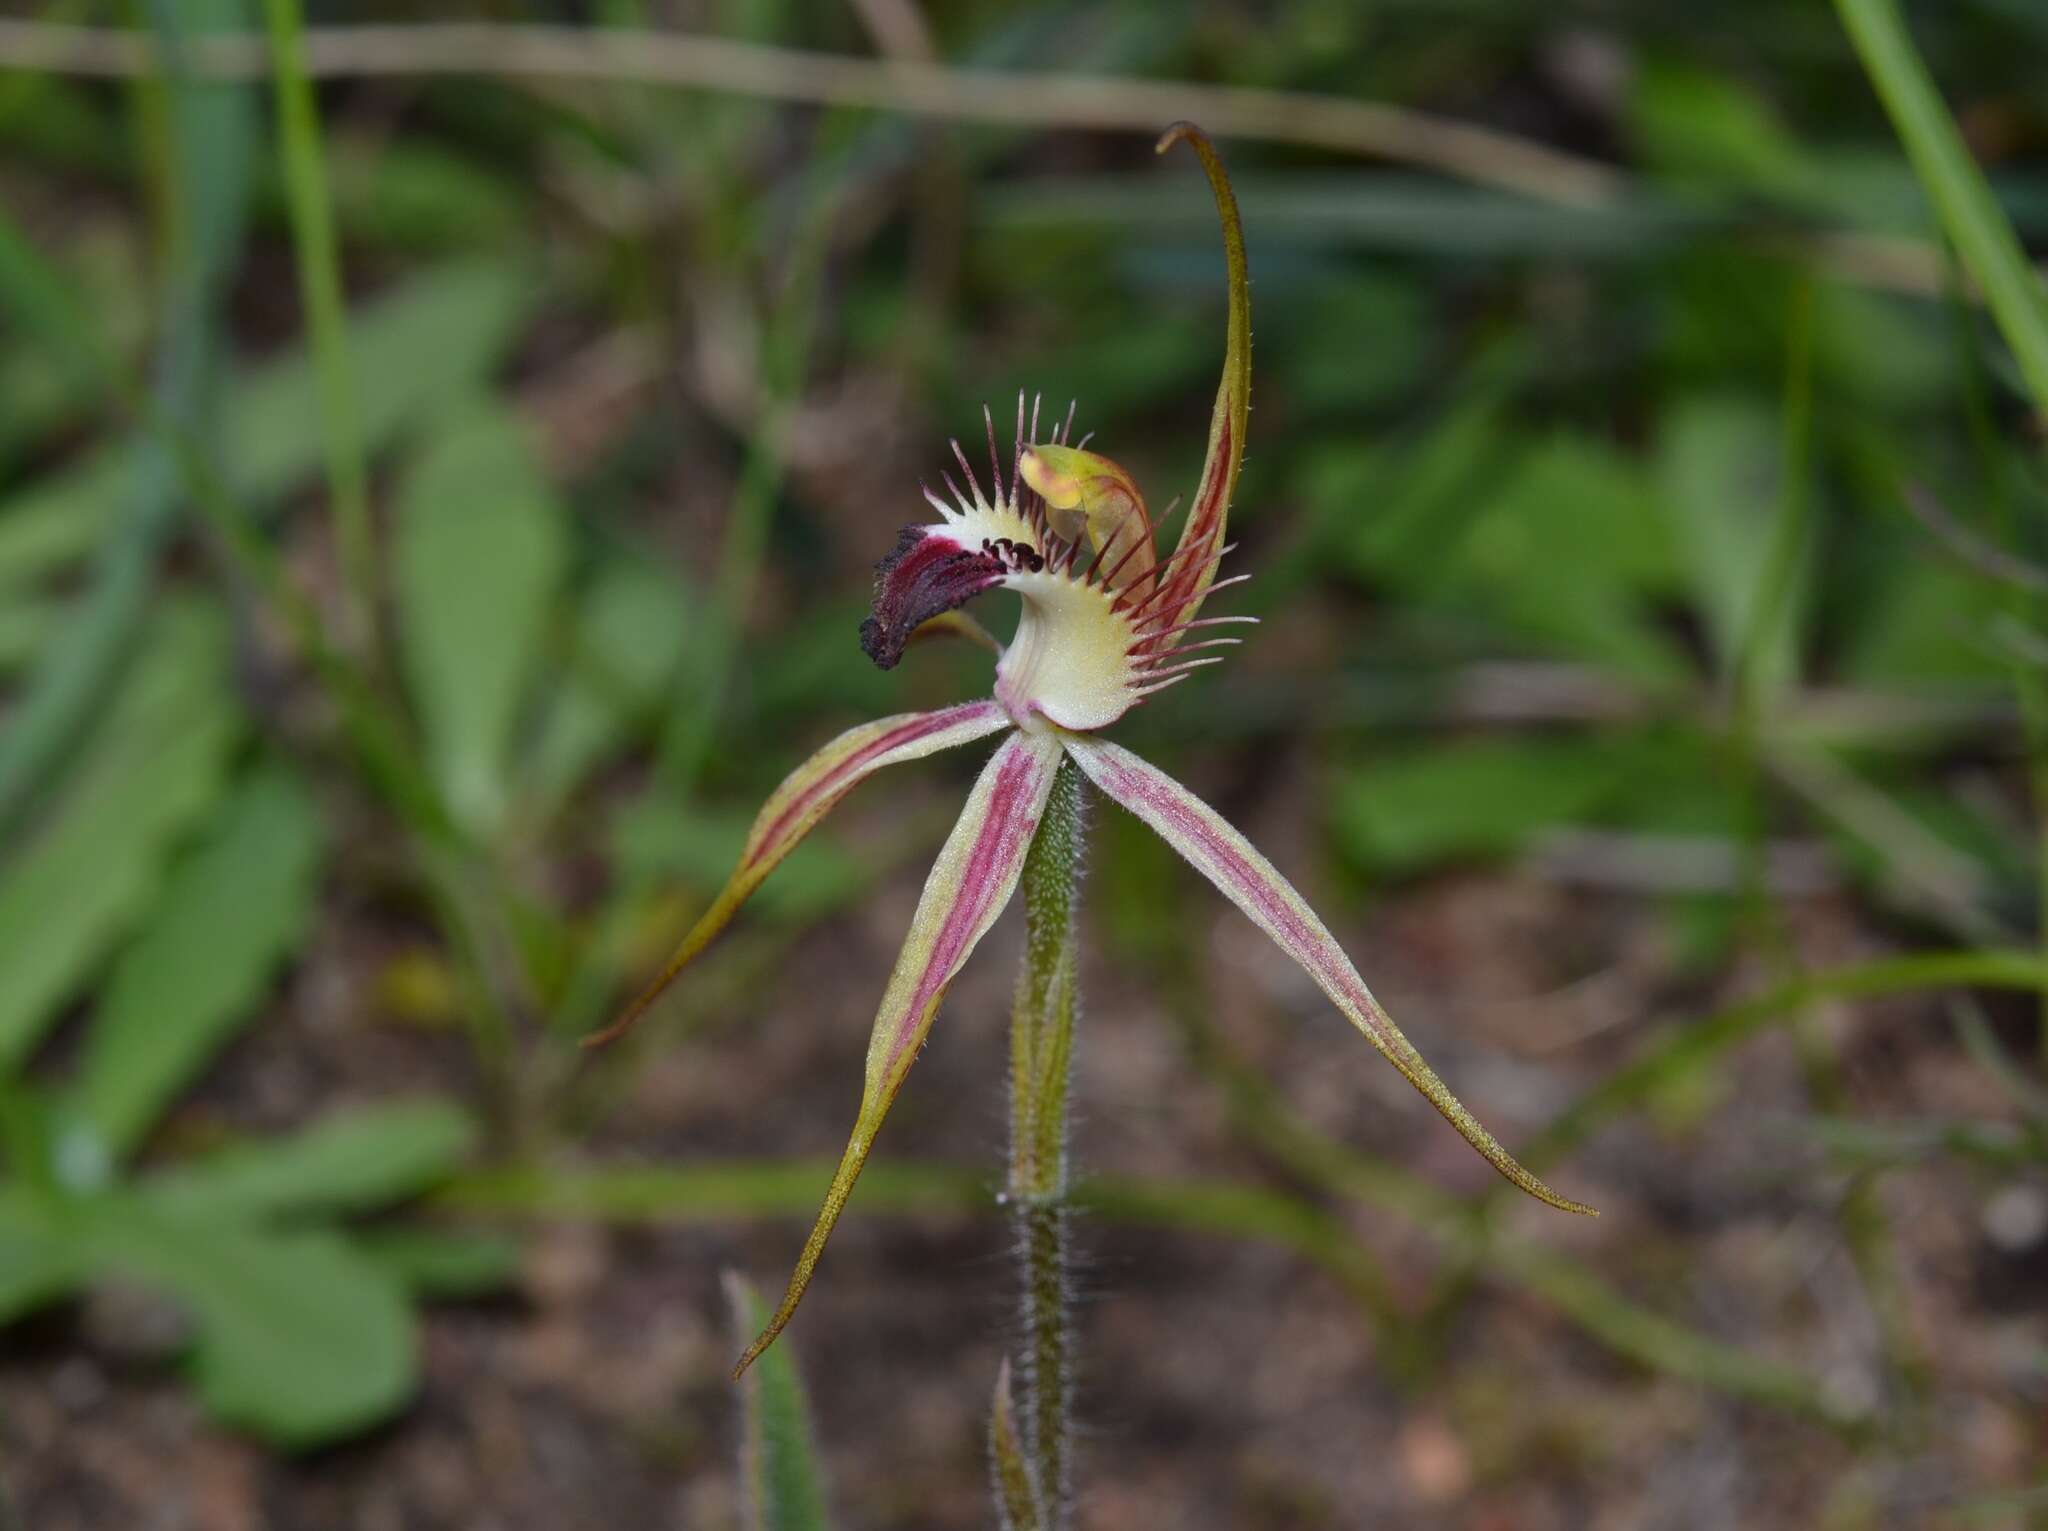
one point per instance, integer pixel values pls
(924, 575)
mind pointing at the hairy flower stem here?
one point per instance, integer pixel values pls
(1041, 1057)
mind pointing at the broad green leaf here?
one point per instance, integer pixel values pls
(407, 192)
(26, 623)
(434, 1262)
(298, 1338)
(1404, 507)
(630, 628)
(151, 767)
(480, 550)
(1719, 472)
(37, 1263)
(353, 1161)
(431, 341)
(1569, 549)
(1709, 129)
(1484, 797)
(781, 1480)
(231, 912)
(420, 350)
(1313, 343)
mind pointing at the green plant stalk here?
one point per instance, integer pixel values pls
(1970, 215)
(316, 248)
(1041, 1066)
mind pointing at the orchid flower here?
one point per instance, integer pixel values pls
(1104, 624)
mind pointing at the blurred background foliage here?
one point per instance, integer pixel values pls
(434, 510)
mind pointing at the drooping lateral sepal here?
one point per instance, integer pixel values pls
(1250, 881)
(971, 882)
(794, 809)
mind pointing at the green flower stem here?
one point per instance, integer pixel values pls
(1041, 1058)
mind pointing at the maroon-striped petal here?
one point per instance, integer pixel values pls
(794, 809)
(969, 886)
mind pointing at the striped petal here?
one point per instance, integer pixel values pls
(1250, 881)
(1201, 540)
(794, 809)
(973, 879)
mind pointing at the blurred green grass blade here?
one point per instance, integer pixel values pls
(1378, 211)
(151, 768)
(1973, 1030)
(1887, 1145)
(298, 1338)
(210, 138)
(429, 342)
(631, 624)
(480, 554)
(1679, 1051)
(781, 1480)
(232, 910)
(41, 303)
(352, 1161)
(790, 1188)
(1599, 1311)
(319, 260)
(1664, 1347)
(1970, 215)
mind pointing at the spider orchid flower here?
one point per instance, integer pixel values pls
(1105, 623)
